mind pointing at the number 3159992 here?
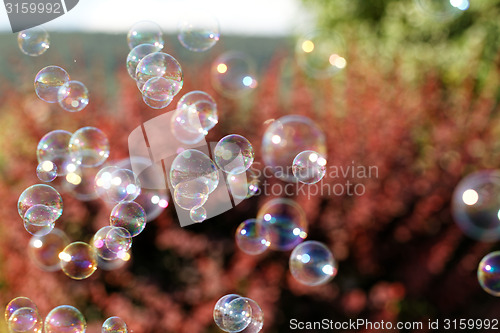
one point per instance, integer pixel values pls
(33, 7)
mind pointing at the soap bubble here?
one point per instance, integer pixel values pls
(441, 10)
(65, 318)
(114, 184)
(321, 54)
(39, 220)
(111, 242)
(114, 325)
(136, 54)
(286, 222)
(476, 205)
(192, 165)
(198, 214)
(233, 74)
(309, 167)
(145, 32)
(185, 128)
(78, 260)
(191, 195)
(234, 154)
(46, 171)
(232, 313)
(244, 185)
(158, 92)
(44, 249)
(99, 244)
(488, 273)
(285, 138)
(159, 64)
(312, 263)
(34, 41)
(129, 215)
(48, 81)
(90, 146)
(73, 96)
(18, 303)
(252, 237)
(257, 317)
(25, 320)
(204, 107)
(54, 147)
(198, 31)
(40, 194)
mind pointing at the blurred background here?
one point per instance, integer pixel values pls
(418, 98)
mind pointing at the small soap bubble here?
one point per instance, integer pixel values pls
(158, 92)
(48, 81)
(40, 194)
(309, 167)
(73, 96)
(54, 147)
(202, 110)
(114, 184)
(25, 320)
(129, 215)
(65, 318)
(118, 240)
(191, 195)
(78, 260)
(114, 325)
(185, 127)
(145, 32)
(198, 31)
(39, 220)
(488, 273)
(34, 41)
(233, 74)
(252, 237)
(257, 321)
(44, 249)
(46, 171)
(18, 303)
(191, 165)
(233, 313)
(89, 146)
(312, 263)
(286, 222)
(198, 214)
(100, 246)
(136, 54)
(234, 154)
(159, 64)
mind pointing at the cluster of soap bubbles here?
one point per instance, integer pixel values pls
(22, 316)
(53, 85)
(234, 313)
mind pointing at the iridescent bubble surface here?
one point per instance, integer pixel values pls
(136, 54)
(129, 215)
(198, 31)
(65, 318)
(192, 165)
(286, 222)
(48, 81)
(54, 147)
(233, 74)
(309, 167)
(237, 315)
(186, 127)
(191, 195)
(44, 249)
(18, 303)
(34, 41)
(198, 214)
(285, 138)
(158, 92)
(118, 240)
(252, 237)
(312, 263)
(46, 171)
(145, 32)
(202, 110)
(100, 245)
(39, 220)
(73, 96)
(159, 64)
(222, 309)
(25, 320)
(488, 273)
(234, 154)
(476, 205)
(114, 325)
(257, 320)
(114, 184)
(90, 146)
(40, 194)
(78, 260)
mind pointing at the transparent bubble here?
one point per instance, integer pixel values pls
(129, 215)
(198, 214)
(244, 185)
(65, 318)
(234, 154)
(111, 242)
(34, 41)
(312, 263)
(25, 320)
(476, 205)
(73, 96)
(90, 146)
(158, 92)
(440, 10)
(192, 165)
(252, 237)
(321, 54)
(40, 194)
(184, 127)
(232, 317)
(488, 273)
(54, 147)
(136, 55)
(114, 325)
(285, 138)
(78, 260)
(48, 81)
(46, 171)
(286, 222)
(99, 244)
(198, 31)
(114, 184)
(159, 64)
(18, 303)
(233, 74)
(39, 220)
(309, 167)
(44, 249)
(204, 107)
(145, 32)
(257, 321)
(191, 195)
